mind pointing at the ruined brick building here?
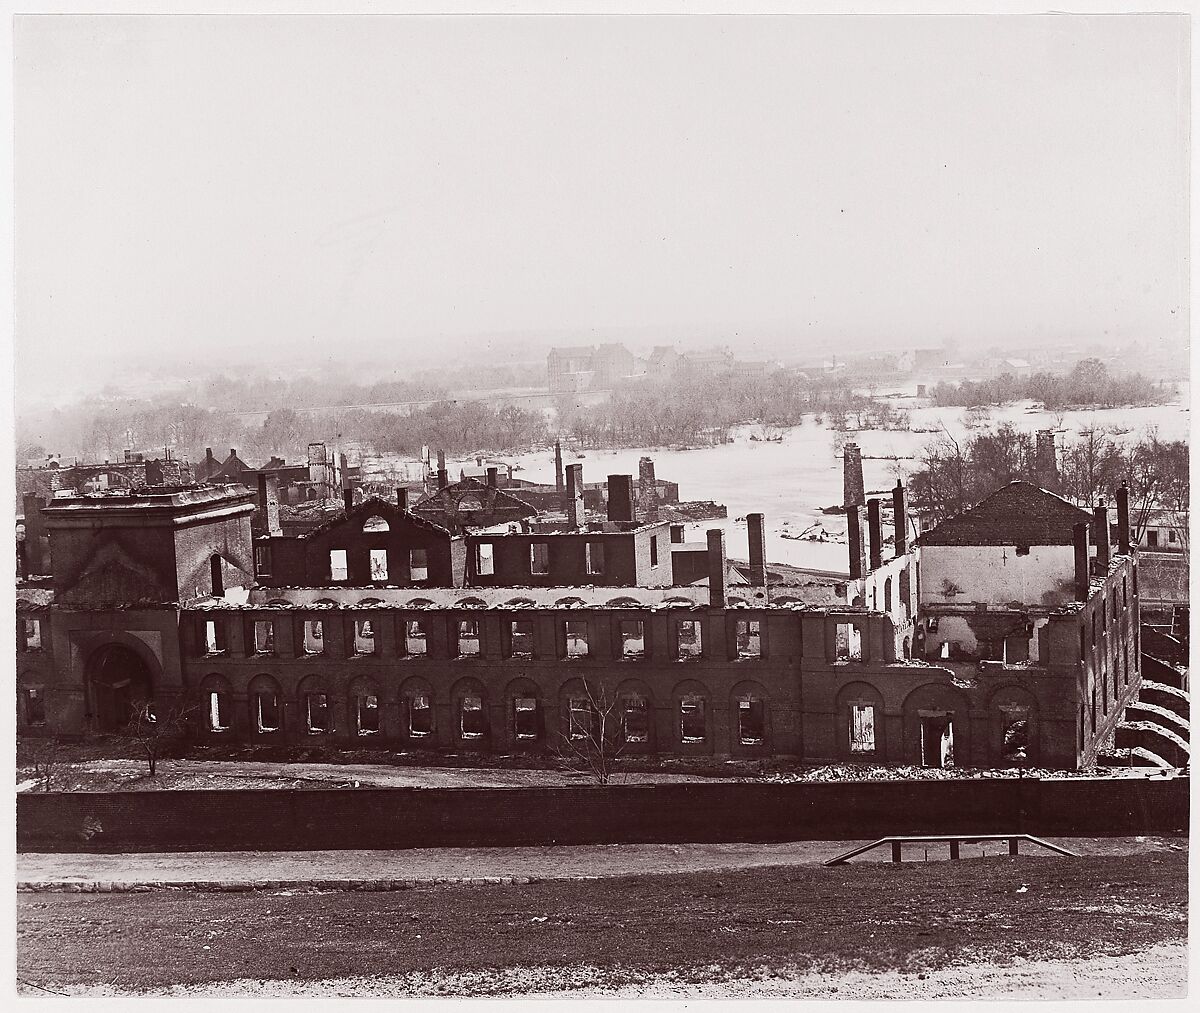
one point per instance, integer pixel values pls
(1008, 634)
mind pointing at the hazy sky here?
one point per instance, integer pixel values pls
(227, 189)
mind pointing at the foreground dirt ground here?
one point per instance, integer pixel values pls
(975, 928)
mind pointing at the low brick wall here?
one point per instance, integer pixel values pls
(279, 820)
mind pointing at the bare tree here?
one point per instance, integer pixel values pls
(159, 731)
(45, 761)
(595, 735)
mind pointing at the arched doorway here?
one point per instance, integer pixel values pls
(120, 685)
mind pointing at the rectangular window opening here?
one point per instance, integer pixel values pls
(35, 706)
(420, 716)
(471, 718)
(218, 711)
(317, 712)
(416, 644)
(485, 560)
(266, 708)
(418, 564)
(214, 636)
(379, 565)
(752, 722)
(749, 638)
(338, 570)
(264, 636)
(368, 714)
(691, 719)
(635, 719)
(539, 559)
(262, 559)
(33, 634)
(364, 636)
(688, 643)
(848, 640)
(583, 721)
(525, 717)
(468, 638)
(521, 639)
(577, 638)
(654, 550)
(633, 639)
(594, 557)
(862, 728)
(314, 636)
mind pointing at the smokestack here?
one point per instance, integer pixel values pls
(443, 479)
(854, 535)
(1081, 561)
(558, 467)
(900, 517)
(1123, 519)
(875, 534)
(491, 477)
(852, 476)
(676, 534)
(574, 495)
(348, 498)
(402, 497)
(441, 460)
(210, 462)
(716, 568)
(620, 498)
(1100, 533)
(1045, 460)
(758, 550)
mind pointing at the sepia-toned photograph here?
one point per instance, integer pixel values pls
(596, 505)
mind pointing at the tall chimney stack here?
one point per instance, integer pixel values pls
(1100, 533)
(852, 476)
(716, 568)
(492, 474)
(1123, 519)
(574, 495)
(1082, 580)
(758, 550)
(854, 535)
(402, 497)
(348, 498)
(620, 498)
(900, 517)
(875, 533)
(558, 466)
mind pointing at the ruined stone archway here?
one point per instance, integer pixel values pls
(119, 684)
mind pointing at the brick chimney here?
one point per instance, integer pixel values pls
(558, 467)
(348, 498)
(758, 550)
(1123, 519)
(402, 497)
(1082, 580)
(875, 533)
(620, 498)
(492, 477)
(1100, 534)
(900, 517)
(716, 568)
(852, 476)
(854, 535)
(574, 495)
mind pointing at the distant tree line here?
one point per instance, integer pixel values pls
(1089, 383)
(695, 406)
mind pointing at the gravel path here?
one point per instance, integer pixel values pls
(543, 862)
